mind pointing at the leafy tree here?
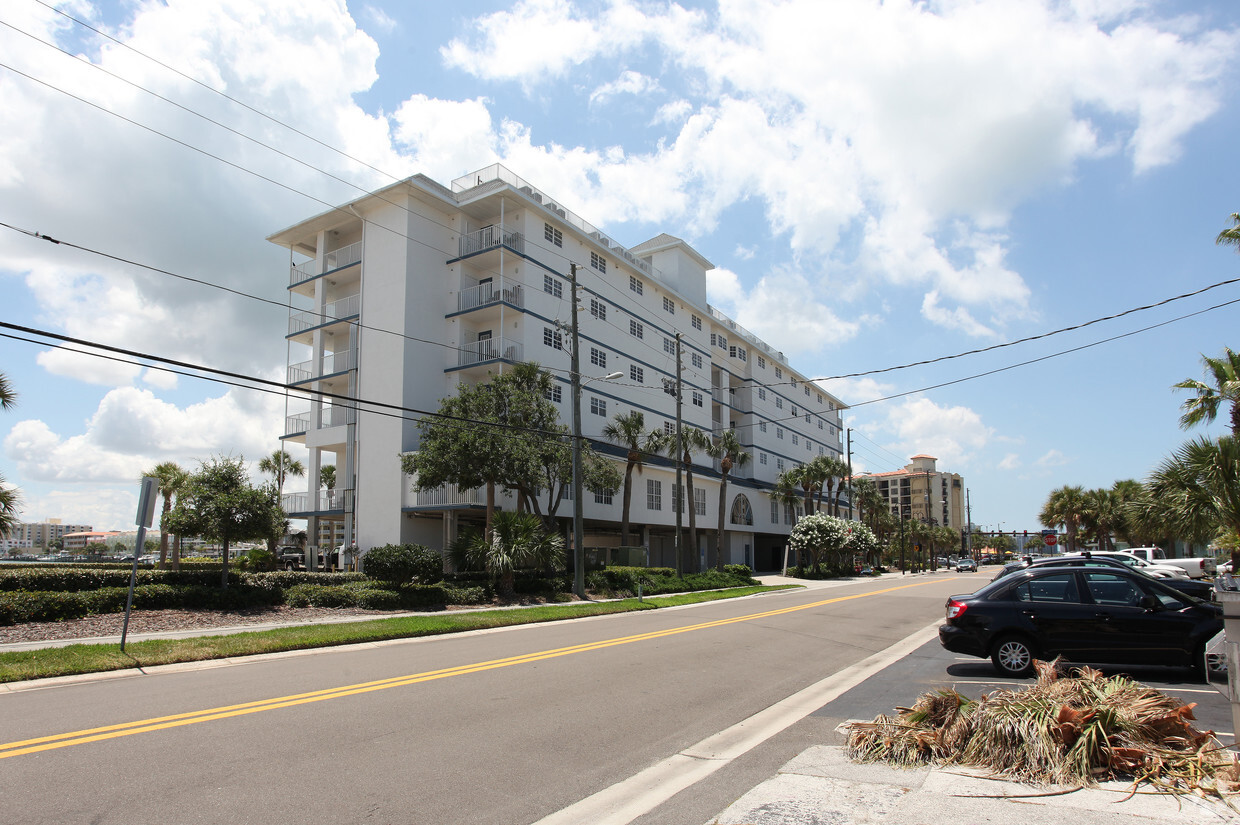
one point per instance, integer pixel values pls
(554, 463)
(1231, 235)
(172, 480)
(1065, 506)
(692, 440)
(629, 431)
(816, 534)
(805, 477)
(1102, 515)
(727, 450)
(1221, 388)
(517, 541)
(10, 497)
(1196, 491)
(220, 504)
(279, 465)
(488, 435)
(327, 478)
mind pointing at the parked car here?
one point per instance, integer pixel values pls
(1085, 614)
(966, 566)
(1196, 589)
(1196, 568)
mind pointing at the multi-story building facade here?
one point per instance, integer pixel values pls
(923, 493)
(416, 288)
(42, 534)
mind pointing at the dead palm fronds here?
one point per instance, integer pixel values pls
(1074, 730)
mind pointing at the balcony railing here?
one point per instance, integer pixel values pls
(487, 294)
(328, 501)
(335, 311)
(491, 349)
(298, 423)
(447, 496)
(330, 364)
(490, 237)
(744, 333)
(335, 259)
(337, 416)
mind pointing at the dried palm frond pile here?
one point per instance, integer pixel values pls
(1073, 730)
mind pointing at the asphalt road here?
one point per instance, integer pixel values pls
(506, 726)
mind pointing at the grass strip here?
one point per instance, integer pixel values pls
(73, 660)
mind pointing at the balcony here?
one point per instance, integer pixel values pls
(324, 501)
(337, 416)
(335, 259)
(449, 495)
(490, 237)
(488, 294)
(491, 349)
(335, 311)
(330, 364)
(297, 424)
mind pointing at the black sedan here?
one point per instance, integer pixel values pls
(1193, 587)
(1085, 614)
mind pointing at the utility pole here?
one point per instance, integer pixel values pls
(579, 551)
(848, 446)
(678, 494)
(968, 517)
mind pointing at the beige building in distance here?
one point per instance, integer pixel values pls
(923, 492)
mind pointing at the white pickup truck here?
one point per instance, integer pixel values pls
(1195, 568)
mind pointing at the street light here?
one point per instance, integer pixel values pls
(579, 551)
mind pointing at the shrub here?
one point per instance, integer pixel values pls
(401, 563)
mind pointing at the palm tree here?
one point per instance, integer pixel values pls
(10, 497)
(1064, 506)
(870, 503)
(1103, 515)
(805, 476)
(1231, 235)
(327, 477)
(1197, 490)
(1221, 387)
(172, 480)
(517, 540)
(691, 440)
(833, 472)
(629, 431)
(281, 464)
(727, 450)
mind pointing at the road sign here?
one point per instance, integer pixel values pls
(1050, 538)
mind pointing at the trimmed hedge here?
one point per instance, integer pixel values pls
(367, 595)
(622, 581)
(399, 563)
(54, 606)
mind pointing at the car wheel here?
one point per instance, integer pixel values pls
(290, 566)
(1013, 656)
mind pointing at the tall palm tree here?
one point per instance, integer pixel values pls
(833, 472)
(280, 464)
(727, 450)
(172, 480)
(10, 497)
(870, 503)
(327, 477)
(1231, 235)
(1102, 515)
(629, 431)
(805, 477)
(692, 440)
(1064, 506)
(1222, 387)
(1197, 490)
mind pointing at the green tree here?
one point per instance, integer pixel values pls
(629, 431)
(172, 479)
(1221, 387)
(1231, 235)
(727, 450)
(1196, 492)
(327, 478)
(517, 541)
(807, 479)
(488, 435)
(10, 497)
(555, 474)
(1102, 516)
(220, 504)
(280, 465)
(1065, 506)
(816, 534)
(692, 440)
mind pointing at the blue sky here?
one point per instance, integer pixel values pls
(876, 183)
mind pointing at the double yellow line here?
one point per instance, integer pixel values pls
(81, 737)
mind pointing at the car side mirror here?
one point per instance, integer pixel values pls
(1150, 602)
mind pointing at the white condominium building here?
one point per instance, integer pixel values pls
(403, 294)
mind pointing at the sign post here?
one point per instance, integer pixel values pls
(1050, 537)
(146, 512)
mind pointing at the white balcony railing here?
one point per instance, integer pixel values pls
(335, 311)
(298, 423)
(323, 501)
(490, 293)
(489, 237)
(337, 416)
(335, 259)
(446, 496)
(330, 364)
(491, 349)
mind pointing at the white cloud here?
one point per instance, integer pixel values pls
(628, 83)
(379, 19)
(953, 435)
(1011, 461)
(745, 253)
(535, 38)
(1052, 458)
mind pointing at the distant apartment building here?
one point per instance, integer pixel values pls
(400, 296)
(42, 534)
(923, 493)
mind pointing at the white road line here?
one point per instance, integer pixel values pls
(643, 792)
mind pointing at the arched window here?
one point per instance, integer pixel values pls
(742, 513)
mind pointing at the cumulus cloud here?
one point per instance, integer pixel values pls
(628, 83)
(952, 434)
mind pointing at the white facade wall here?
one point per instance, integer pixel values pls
(441, 269)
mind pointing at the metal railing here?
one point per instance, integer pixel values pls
(744, 333)
(489, 293)
(331, 363)
(447, 496)
(322, 501)
(337, 416)
(298, 423)
(344, 308)
(491, 349)
(335, 259)
(490, 237)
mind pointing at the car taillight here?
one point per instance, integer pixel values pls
(956, 608)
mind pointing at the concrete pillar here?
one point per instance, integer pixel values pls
(1230, 599)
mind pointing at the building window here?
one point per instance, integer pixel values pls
(761, 394)
(807, 418)
(637, 374)
(566, 494)
(669, 305)
(794, 410)
(699, 500)
(779, 432)
(807, 392)
(774, 511)
(722, 341)
(787, 514)
(696, 321)
(598, 406)
(819, 398)
(598, 309)
(779, 464)
(697, 399)
(821, 451)
(602, 496)
(809, 445)
(762, 426)
(669, 346)
(598, 358)
(668, 427)
(779, 373)
(636, 329)
(794, 383)
(762, 459)
(795, 439)
(737, 352)
(553, 235)
(635, 285)
(779, 403)
(598, 262)
(553, 338)
(761, 363)
(654, 494)
(820, 423)
(697, 360)
(555, 394)
(551, 286)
